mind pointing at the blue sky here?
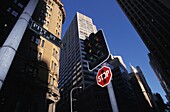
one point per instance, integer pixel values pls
(121, 37)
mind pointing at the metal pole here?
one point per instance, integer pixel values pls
(71, 99)
(111, 94)
(10, 46)
(112, 97)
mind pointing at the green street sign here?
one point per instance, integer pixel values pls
(34, 26)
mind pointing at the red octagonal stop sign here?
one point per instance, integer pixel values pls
(104, 76)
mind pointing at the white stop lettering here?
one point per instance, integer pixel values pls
(101, 78)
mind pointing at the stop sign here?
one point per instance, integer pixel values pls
(104, 76)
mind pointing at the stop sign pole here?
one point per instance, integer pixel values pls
(112, 97)
(103, 78)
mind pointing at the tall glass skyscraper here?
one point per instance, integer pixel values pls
(73, 65)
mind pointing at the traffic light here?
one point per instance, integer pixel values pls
(96, 50)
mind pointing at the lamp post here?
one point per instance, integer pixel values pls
(71, 99)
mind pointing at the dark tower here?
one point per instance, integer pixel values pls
(151, 18)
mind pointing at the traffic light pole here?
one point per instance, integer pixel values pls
(10, 46)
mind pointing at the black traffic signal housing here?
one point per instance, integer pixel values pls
(96, 49)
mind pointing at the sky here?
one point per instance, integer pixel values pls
(121, 37)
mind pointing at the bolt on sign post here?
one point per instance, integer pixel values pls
(104, 76)
(97, 51)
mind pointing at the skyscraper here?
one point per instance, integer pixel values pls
(151, 18)
(33, 75)
(124, 93)
(139, 93)
(137, 72)
(155, 66)
(73, 66)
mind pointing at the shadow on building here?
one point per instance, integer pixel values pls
(26, 84)
(30, 85)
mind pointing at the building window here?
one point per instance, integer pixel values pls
(56, 31)
(14, 13)
(53, 66)
(39, 56)
(37, 41)
(32, 38)
(49, 2)
(47, 23)
(53, 52)
(32, 53)
(35, 72)
(43, 21)
(51, 80)
(48, 8)
(20, 5)
(56, 53)
(49, 16)
(9, 9)
(46, 14)
(43, 43)
(39, 19)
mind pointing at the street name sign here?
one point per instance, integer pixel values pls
(34, 26)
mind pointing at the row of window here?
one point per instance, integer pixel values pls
(18, 3)
(49, 2)
(46, 14)
(38, 55)
(49, 8)
(32, 70)
(32, 53)
(12, 11)
(38, 41)
(45, 21)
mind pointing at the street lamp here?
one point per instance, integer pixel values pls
(71, 99)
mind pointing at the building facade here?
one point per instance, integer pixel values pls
(140, 91)
(160, 103)
(33, 76)
(155, 66)
(151, 18)
(73, 65)
(144, 87)
(96, 99)
(124, 93)
(93, 99)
